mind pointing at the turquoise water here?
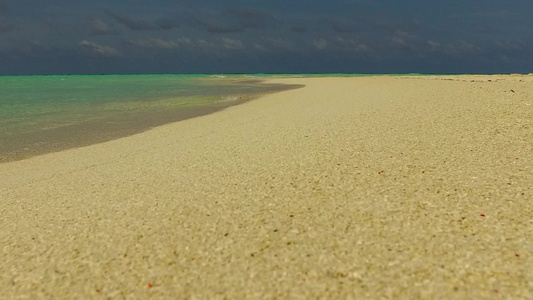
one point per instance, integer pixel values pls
(39, 114)
(31, 102)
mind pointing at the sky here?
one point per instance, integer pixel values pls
(269, 36)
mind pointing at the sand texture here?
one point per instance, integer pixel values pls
(350, 188)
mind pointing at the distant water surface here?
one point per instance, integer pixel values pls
(40, 114)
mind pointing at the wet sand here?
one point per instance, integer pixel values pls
(121, 123)
(363, 188)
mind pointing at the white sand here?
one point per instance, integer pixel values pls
(370, 188)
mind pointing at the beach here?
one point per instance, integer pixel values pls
(382, 187)
(44, 114)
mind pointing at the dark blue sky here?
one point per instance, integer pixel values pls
(274, 36)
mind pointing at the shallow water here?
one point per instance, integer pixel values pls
(40, 114)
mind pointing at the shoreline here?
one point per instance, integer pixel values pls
(368, 187)
(29, 144)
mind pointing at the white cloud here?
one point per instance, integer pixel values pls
(363, 48)
(434, 45)
(99, 27)
(463, 47)
(260, 47)
(352, 46)
(99, 50)
(155, 43)
(231, 44)
(185, 41)
(402, 39)
(320, 44)
(507, 45)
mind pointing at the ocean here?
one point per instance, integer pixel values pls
(41, 114)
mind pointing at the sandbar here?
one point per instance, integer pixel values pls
(386, 187)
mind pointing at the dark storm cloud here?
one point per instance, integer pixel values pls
(299, 27)
(266, 36)
(250, 18)
(212, 23)
(343, 25)
(62, 26)
(136, 24)
(236, 19)
(391, 26)
(279, 45)
(501, 14)
(5, 25)
(31, 49)
(167, 23)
